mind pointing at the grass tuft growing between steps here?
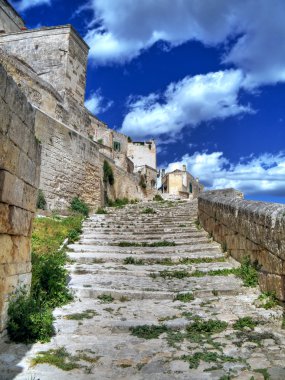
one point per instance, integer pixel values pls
(149, 332)
(148, 210)
(266, 300)
(184, 273)
(162, 243)
(199, 331)
(62, 359)
(248, 273)
(208, 357)
(133, 261)
(30, 314)
(87, 314)
(59, 358)
(184, 297)
(245, 322)
(106, 298)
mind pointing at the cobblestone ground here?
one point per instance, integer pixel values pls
(143, 311)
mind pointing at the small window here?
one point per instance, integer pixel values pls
(190, 188)
(117, 146)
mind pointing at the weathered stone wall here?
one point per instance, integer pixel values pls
(57, 55)
(126, 185)
(70, 164)
(10, 21)
(19, 177)
(247, 228)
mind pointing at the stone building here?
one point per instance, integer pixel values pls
(143, 156)
(181, 183)
(49, 140)
(49, 66)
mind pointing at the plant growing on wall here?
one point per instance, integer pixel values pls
(108, 175)
(41, 201)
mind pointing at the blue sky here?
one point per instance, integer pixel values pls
(206, 79)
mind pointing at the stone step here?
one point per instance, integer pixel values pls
(131, 286)
(93, 257)
(115, 241)
(144, 270)
(180, 249)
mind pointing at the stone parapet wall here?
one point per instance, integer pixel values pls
(19, 180)
(248, 228)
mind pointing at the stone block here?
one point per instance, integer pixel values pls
(15, 99)
(27, 169)
(29, 198)
(14, 269)
(5, 117)
(21, 249)
(20, 221)
(11, 189)
(270, 263)
(273, 283)
(9, 155)
(19, 134)
(6, 249)
(4, 218)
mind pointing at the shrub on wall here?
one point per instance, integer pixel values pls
(108, 175)
(41, 201)
(78, 205)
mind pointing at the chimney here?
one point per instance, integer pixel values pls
(197, 179)
(184, 168)
(162, 173)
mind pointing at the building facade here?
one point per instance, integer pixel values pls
(180, 183)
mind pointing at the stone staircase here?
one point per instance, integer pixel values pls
(127, 288)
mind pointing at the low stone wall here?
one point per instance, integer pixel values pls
(248, 228)
(19, 177)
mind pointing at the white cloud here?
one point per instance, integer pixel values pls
(188, 102)
(254, 175)
(23, 5)
(97, 104)
(122, 29)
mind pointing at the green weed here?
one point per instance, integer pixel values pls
(133, 261)
(184, 297)
(78, 205)
(243, 322)
(148, 210)
(148, 332)
(87, 314)
(106, 298)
